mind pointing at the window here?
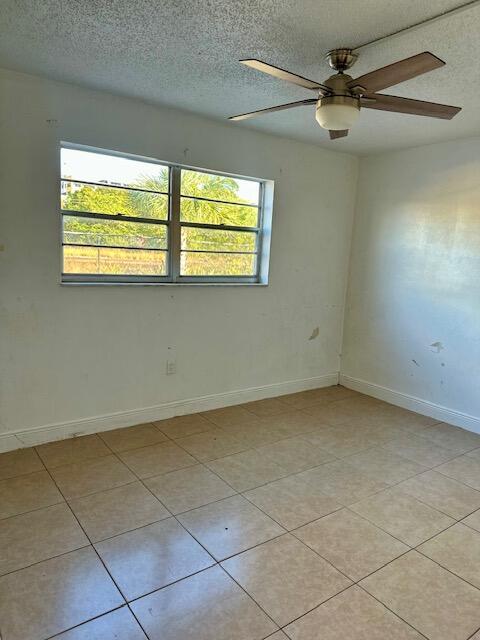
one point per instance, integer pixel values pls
(128, 220)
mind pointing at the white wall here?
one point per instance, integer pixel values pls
(72, 353)
(413, 308)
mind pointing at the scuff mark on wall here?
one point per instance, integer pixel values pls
(315, 333)
(415, 362)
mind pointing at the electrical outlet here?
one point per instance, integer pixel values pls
(171, 367)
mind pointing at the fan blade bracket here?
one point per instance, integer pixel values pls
(357, 89)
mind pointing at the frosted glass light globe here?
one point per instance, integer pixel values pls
(337, 113)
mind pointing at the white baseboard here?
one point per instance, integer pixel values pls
(437, 411)
(51, 432)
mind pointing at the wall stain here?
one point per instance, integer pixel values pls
(415, 362)
(315, 333)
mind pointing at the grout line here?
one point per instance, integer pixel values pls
(24, 513)
(392, 611)
(122, 606)
(57, 555)
(473, 634)
(97, 554)
(250, 597)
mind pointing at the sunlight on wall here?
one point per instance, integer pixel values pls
(415, 276)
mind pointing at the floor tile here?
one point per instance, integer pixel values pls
(385, 466)
(27, 492)
(230, 526)
(420, 450)
(411, 421)
(246, 470)
(474, 453)
(72, 450)
(210, 445)
(19, 462)
(38, 535)
(465, 469)
(257, 435)
(292, 501)
(109, 513)
(182, 426)
(157, 459)
(117, 625)
(267, 407)
(473, 520)
(206, 606)
(149, 558)
(402, 516)
(458, 550)
(453, 438)
(228, 416)
(285, 578)
(55, 595)
(189, 488)
(381, 432)
(353, 545)
(351, 615)
(91, 476)
(334, 413)
(432, 600)
(291, 423)
(141, 435)
(440, 492)
(342, 441)
(324, 395)
(295, 454)
(342, 482)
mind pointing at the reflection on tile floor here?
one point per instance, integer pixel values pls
(324, 509)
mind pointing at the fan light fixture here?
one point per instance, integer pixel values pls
(337, 113)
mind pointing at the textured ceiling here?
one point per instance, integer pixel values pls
(184, 53)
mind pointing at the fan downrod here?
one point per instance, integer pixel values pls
(341, 59)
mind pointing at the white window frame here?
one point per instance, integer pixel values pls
(174, 226)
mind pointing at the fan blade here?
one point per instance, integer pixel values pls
(280, 107)
(282, 74)
(397, 72)
(407, 105)
(338, 134)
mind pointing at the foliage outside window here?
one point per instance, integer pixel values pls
(135, 220)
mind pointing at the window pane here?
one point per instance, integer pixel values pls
(105, 261)
(217, 264)
(206, 212)
(104, 233)
(198, 239)
(137, 204)
(215, 187)
(113, 170)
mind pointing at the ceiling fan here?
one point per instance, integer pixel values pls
(341, 97)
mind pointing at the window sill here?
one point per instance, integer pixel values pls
(164, 284)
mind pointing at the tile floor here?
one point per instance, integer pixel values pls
(323, 514)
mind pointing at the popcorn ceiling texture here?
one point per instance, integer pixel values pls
(184, 54)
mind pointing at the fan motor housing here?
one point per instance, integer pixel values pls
(341, 59)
